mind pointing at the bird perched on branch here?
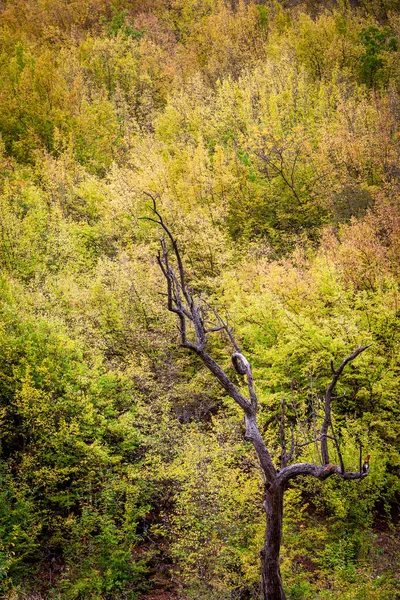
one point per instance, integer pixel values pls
(240, 364)
(365, 467)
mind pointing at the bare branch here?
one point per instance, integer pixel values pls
(313, 441)
(172, 239)
(253, 434)
(328, 398)
(228, 330)
(320, 472)
(181, 302)
(283, 435)
(177, 292)
(338, 448)
(292, 446)
(213, 329)
(224, 380)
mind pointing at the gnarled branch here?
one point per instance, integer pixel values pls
(320, 472)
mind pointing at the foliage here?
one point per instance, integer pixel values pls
(375, 42)
(271, 135)
(118, 24)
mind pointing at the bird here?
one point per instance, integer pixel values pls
(240, 364)
(365, 467)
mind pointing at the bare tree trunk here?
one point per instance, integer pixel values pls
(272, 588)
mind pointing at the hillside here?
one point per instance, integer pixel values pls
(269, 134)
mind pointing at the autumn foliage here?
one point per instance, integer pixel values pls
(270, 132)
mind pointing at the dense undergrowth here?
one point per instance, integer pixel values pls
(270, 133)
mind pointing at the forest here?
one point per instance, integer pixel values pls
(266, 135)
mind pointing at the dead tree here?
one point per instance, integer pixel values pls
(195, 325)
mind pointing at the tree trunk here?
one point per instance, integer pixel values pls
(271, 575)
